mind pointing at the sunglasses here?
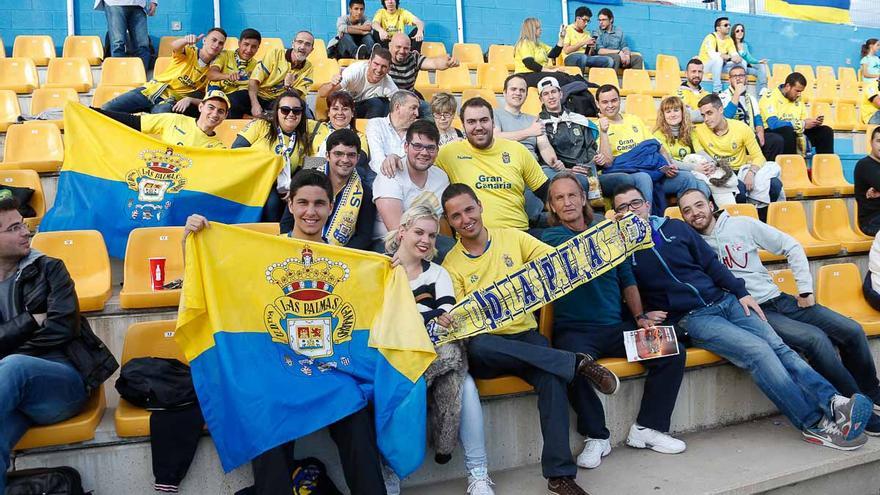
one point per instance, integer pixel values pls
(285, 111)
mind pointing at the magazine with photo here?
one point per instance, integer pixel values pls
(650, 343)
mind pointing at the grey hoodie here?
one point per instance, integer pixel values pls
(736, 241)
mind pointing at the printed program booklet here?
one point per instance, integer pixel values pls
(652, 343)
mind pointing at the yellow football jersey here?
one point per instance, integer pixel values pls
(691, 98)
(711, 43)
(527, 49)
(732, 146)
(174, 128)
(573, 37)
(320, 131)
(626, 134)
(775, 104)
(499, 175)
(677, 149)
(183, 77)
(256, 133)
(271, 71)
(394, 23)
(229, 63)
(508, 250)
(868, 108)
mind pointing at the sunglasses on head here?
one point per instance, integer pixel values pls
(285, 111)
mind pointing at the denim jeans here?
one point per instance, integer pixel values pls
(371, 108)
(585, 61)
(819, 333)
(131, 18)
(470, 431)
(800, 393)
(551, 172)
(716, 66)
(682, 181)
(875, 119)
(760, 73)
(349, 43)
(34, 391)
(130, 102)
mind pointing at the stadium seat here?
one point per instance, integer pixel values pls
(468, 54)
(508, 384)
(643, 106)
(164, 46)
(143, 244)
(839, 287)
(123, 71)
(666, 81)
(826, 91)
(85, 256)
(33, 146)
(271, 228)
(79, 428)
(9, 109)
(603, 75)
(636, 81)
(831, 223)
(502, 54)
(455, 79)
(784, 279)
(573, 71)
(229, 129)
(847, 117)
(789, 217)
(673, 212)
(741, 210)
(39, 48)
(30, 180)
(148, 339)
(423, 80)
(668, 63)
(69, 73)
(88, 47)
(19, 75)
(161, 64)
(825, 73)
(231, 43)
(361, 125)
(795, 180)
(2, 48)
(319, 51)
(846, 74)
(46, 98)
(103, 94)
(269, 44)
(807, 71)
(825, 110)
(486, 94)
(324, 70)
(433, 49)
(781, 71)
(491, 76)
(849, 91)
(828, 172)
(532, 105)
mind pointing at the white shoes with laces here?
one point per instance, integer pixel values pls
(594, 450)
(646, 438)
(479, 482)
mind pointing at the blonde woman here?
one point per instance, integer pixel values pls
(674, 128)
(443, 108)
(454, 404)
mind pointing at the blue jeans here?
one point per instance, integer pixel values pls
(875, 119)
(551, 173)
(584, 61)
(371, 108)
(470, 431)
(34, 391)
(131, 18)
(716, 66)
(682, 181)
(349, 43)
(760, 73)
(819, 333)
(800, 393)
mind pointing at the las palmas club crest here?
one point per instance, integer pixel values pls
(309, 318)
(159, 176)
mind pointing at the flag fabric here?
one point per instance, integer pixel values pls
(833, 11)
(318, 333)
(115, 179)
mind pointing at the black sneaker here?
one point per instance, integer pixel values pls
(565, 486)
(873, 426)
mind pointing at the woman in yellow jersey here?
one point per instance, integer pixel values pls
(390, 19)
(340, 115)
(674, 128)
(284, 133)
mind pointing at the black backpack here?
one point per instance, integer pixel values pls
(45, 481)
(90, 356)
(156, 383)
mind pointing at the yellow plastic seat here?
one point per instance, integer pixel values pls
(31, 180)
(271, 228)
(161, 64)
(468, 54)
(164, 46)
(825, 73)
(229, 129)
(79, 428)
(34, 146)
(2, 49)
(433, 49)
(85, 256)
(602, 76)
(73, 72)
(103, 94)
(795, 180)
(455, 79)
(839, 287)
(45, 98)
(361, 125)
(502, 54)
(784, 279)
(668, 63)
(143, 244)
(741, 210)
(667, 82)
(807, 72)
(231, 43)
(636, 81)
(849, 91)
(789, 217)
(831, 223)
(88, 47)
(781, 71)
(319, 51)
(491, 76)
(19, 75)
(826, 91)
(643, 106)
(9, 109)
(324, 70)
(148, 339)
(39, 48)
(574, 71)
(846, 74)
(486, 94)
(423, 81)
(532, 105)
(267, 45)
(123, 71)
(847, 117)
(701, 357)
(824, 109)
(673, 212)
(828, 171)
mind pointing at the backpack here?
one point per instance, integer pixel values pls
(63, 480)
(91, 357)
(156, 383)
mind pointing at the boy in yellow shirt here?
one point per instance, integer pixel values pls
(231, 71)
(785, 114)
(719, 53)
(391, 19)
(578, 44)
(280, 70)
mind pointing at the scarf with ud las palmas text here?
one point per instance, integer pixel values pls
(547, 278)
(340, 226)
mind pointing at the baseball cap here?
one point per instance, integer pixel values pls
(547, 82)
(216, 94)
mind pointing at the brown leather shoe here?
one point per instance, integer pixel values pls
(601, 377)
(565, 486)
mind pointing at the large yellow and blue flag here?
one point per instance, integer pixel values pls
(833, 11)
(115, 179)
(285, 337)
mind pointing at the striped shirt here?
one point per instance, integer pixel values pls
(433, 291)
(404, 75)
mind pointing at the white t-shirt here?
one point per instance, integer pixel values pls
(874, 264)
(402, 187)
(354, 80)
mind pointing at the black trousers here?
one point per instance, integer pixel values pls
(774, 145)
(355, 437)
(240, 104)
(821, 137)
(415, 45)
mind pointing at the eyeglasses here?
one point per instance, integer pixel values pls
(423, 147)
(17, 228)
(737, 30)
(444, 115)
(342, 154)
(285, 111)
(585, 19)
(632, 205)
(738, 76)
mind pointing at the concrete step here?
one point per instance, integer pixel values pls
(761, 456)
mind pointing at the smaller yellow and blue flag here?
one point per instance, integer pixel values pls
(319, 332)
(832, 11)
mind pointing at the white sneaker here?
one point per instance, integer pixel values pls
(392, 481)
(480, 484)
(594, 450)
(642, 438)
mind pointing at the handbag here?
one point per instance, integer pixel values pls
(62, 480)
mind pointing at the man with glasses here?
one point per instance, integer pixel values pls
(281, 70)
(691, 90)
(611, 42)
(578, 43)
(740, 105)
(367, 82)
(683, 276)
(719, 53)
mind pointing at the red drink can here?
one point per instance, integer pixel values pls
(157, 273)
